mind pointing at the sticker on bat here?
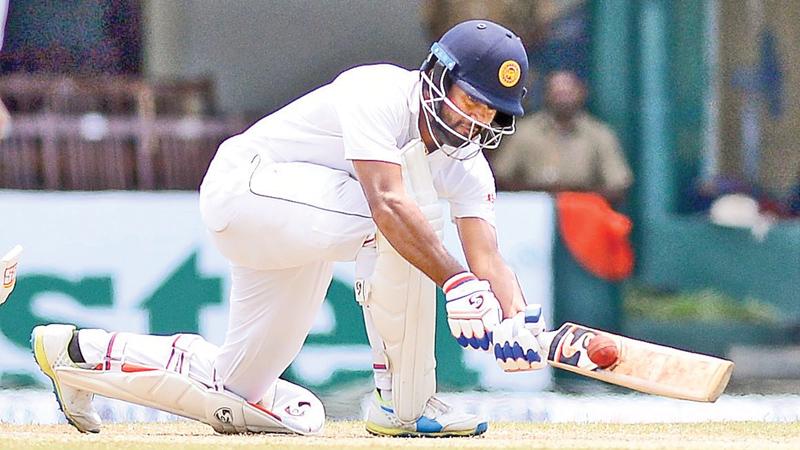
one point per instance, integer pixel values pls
(570, 347)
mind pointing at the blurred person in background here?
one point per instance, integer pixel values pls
(563, 148)
(565, 151)
(528, 19)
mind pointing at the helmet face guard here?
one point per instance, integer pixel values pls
(434, 88)
(489, 63)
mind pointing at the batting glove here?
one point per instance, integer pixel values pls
(472, 310)
(8, 272)
(515, 345)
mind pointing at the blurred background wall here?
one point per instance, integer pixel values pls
(759, 70)
(264, 54)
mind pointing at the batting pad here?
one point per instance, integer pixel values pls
(401, 301)
(294, 410)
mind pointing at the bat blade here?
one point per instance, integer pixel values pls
(642, 366)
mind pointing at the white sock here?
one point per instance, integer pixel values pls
(94, 344)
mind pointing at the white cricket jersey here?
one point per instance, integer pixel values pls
(366, 113)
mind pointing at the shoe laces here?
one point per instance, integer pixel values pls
(435, 408)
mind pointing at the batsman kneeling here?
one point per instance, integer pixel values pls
(352, 171)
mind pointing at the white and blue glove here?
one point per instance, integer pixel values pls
(516, 347)
(472, 310)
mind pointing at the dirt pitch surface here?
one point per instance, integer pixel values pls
(345, 435)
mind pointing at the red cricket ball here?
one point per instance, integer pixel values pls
(603, 351)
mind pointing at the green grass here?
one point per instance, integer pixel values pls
(350, 434)
(705, 305)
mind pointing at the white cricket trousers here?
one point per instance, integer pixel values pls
(281, 226)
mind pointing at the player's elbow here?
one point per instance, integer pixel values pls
(385, 207)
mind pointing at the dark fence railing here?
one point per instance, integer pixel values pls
(98, 152)
(25, 93)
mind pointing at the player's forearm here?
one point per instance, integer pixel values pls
(406, 228)
(504, 284)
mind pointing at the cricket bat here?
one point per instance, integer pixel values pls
(8, 272)
(642, 366)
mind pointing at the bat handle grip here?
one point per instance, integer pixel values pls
(545, 339)
(534, 321)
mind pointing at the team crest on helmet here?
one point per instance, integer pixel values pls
(509, 73)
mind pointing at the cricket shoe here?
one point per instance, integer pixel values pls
(438, 420)
(49, 344)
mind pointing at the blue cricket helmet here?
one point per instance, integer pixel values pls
(488, 61)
